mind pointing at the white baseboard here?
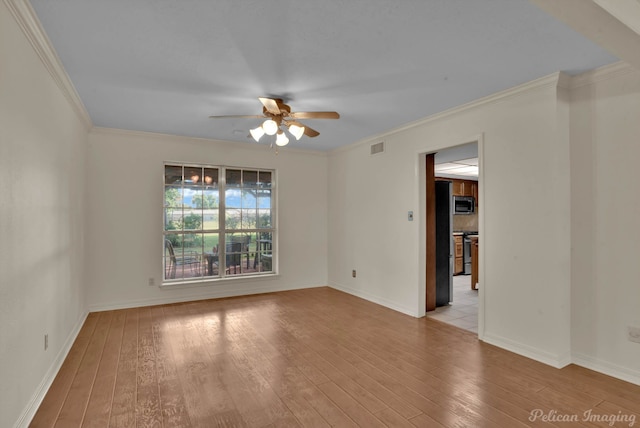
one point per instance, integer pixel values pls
(210, 293)
(373, 298)
(614, 370)
(32, 407)
(554, 360)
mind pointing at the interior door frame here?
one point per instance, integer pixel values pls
(422, 217)
(430, 232)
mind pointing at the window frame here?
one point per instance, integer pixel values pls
(222, 231)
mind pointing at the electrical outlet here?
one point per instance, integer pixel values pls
(46, 342)
(633, 334)
(152, 282)
(353, 273)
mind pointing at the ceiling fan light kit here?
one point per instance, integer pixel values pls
(257, 133)
(281, 139)
(279, 118)
(296, 131)
(270, 127)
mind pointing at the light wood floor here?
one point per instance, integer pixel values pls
(314, 358)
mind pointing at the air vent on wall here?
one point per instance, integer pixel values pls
(377, 148)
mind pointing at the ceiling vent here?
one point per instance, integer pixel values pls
(377, 148)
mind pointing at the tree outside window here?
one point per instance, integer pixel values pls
(218, 222)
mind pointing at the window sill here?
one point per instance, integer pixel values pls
(216, 281)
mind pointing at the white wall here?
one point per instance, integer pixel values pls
(63, 250)
(524, 224)
(42, 151)
(605, 148)
(559, 213)
(124, 235)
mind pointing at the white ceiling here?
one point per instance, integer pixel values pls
(166, 65)
(458, 162)
(467, 168)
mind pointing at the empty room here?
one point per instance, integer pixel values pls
(293, 213)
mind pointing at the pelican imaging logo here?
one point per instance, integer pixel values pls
(589, 415)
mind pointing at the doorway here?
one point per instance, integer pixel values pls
(457, 167)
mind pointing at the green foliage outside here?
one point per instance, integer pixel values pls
(193, 222)
(204, 201)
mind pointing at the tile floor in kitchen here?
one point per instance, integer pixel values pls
(463, 311)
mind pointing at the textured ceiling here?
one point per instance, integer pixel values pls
(166, 65)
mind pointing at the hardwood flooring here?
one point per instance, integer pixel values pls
(311, 358)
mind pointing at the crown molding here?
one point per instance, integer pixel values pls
(232, 145)
(26, 18)
(617, 69)
(560, 80)
(557, 79)
(564, 80)
(625, 11)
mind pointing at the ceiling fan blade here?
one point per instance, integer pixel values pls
(310, 132)
(237, 116)
(271, 105)
(314, 115)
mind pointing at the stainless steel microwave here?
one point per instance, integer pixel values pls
(464, 204)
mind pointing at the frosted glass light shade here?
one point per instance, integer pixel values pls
(281, 139)
(270, 127)
(296, 131)
(257, 133)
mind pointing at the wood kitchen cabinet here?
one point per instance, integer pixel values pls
(463, 187)
(475, 193)
(467, 187)
(457, 187)
(474, 262)
(458, 264)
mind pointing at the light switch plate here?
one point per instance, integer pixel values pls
(410, 216)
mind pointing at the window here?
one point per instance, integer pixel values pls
(218, 222)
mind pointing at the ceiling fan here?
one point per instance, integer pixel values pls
(279, 118)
